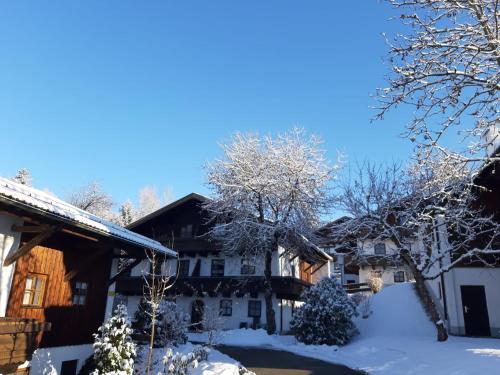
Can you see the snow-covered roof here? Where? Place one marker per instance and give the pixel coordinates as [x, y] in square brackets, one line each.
[43, 202]
[168, 207]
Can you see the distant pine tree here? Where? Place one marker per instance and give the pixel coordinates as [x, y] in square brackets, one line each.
[23, 176]
[127, 213]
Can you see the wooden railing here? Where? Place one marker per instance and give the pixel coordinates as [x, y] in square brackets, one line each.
[356, 288]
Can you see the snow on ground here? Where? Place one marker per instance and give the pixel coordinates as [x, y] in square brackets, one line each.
[397, 338]
[217, 364]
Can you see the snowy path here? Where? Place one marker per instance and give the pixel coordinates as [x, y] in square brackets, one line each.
[265, 361]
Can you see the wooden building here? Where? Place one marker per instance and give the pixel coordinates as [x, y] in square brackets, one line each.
[55, 276]
[209, 280]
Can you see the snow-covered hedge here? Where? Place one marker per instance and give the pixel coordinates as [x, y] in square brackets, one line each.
[326, 315]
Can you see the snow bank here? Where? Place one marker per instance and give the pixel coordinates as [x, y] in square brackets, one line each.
[241, 337]
[217, 364]
[397, 339]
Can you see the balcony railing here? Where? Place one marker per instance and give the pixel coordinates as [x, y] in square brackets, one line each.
[284, 287]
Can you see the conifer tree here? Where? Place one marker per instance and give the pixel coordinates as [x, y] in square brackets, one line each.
[114, 351]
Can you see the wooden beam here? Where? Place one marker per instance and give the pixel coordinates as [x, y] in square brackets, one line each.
[25, 249]
[79, 235]
[317, 269]
[128, 267]
[308, 268]
[43, 227]
[85, 264]
[30, 228]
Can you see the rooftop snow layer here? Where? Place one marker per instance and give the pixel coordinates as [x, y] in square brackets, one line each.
[41, 201]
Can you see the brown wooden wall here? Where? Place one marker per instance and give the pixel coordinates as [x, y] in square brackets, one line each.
[305, 271]
[71, 325]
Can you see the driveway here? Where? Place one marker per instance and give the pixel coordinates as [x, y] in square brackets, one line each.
[275, 362]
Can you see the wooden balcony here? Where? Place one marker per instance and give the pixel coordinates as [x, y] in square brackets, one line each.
[285, 287]
[18, 341]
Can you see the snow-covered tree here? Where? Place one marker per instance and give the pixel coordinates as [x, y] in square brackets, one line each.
[127, 213]
[114, 350]
[23, 176]
[268, 192]
[326, 315]
[172, 325]
[93, 199]
[149, 201]
[446, 66]
[429, 212]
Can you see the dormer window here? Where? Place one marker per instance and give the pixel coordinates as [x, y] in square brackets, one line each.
[380, 248]
[187, 231]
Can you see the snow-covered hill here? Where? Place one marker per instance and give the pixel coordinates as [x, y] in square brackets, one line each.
[396, 312]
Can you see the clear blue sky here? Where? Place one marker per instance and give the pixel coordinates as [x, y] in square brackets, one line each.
[132, 93]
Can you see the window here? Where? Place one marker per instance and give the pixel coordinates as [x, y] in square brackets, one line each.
[80, 290]
[380, 248]
[226, 307]
[399, 277]
[247, 267]
[254, 309]
[184, 268]
[34, 290]
[69, 367]
[217, 267]
[187, 231]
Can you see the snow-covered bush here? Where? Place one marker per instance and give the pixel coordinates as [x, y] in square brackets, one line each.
[172, 325]
[326, 315]
[178, 363]
[243, 371]
[142, 319]
[114, 351]
[212, 324]
[201, 352]
[375, 283]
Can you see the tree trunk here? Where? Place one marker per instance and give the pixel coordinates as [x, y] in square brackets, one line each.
[427, 300]
[151, 344]
[268, 294]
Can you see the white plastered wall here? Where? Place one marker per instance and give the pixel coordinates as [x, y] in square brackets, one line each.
[9, 241]
[387, 273]
[48, 361]
[240, 310]
[480, 276]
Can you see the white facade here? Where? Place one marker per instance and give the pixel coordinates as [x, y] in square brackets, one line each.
[48, 361]
[283, 264]
[385, 269]
[389, 274]
[9, 241]
[487, 278]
